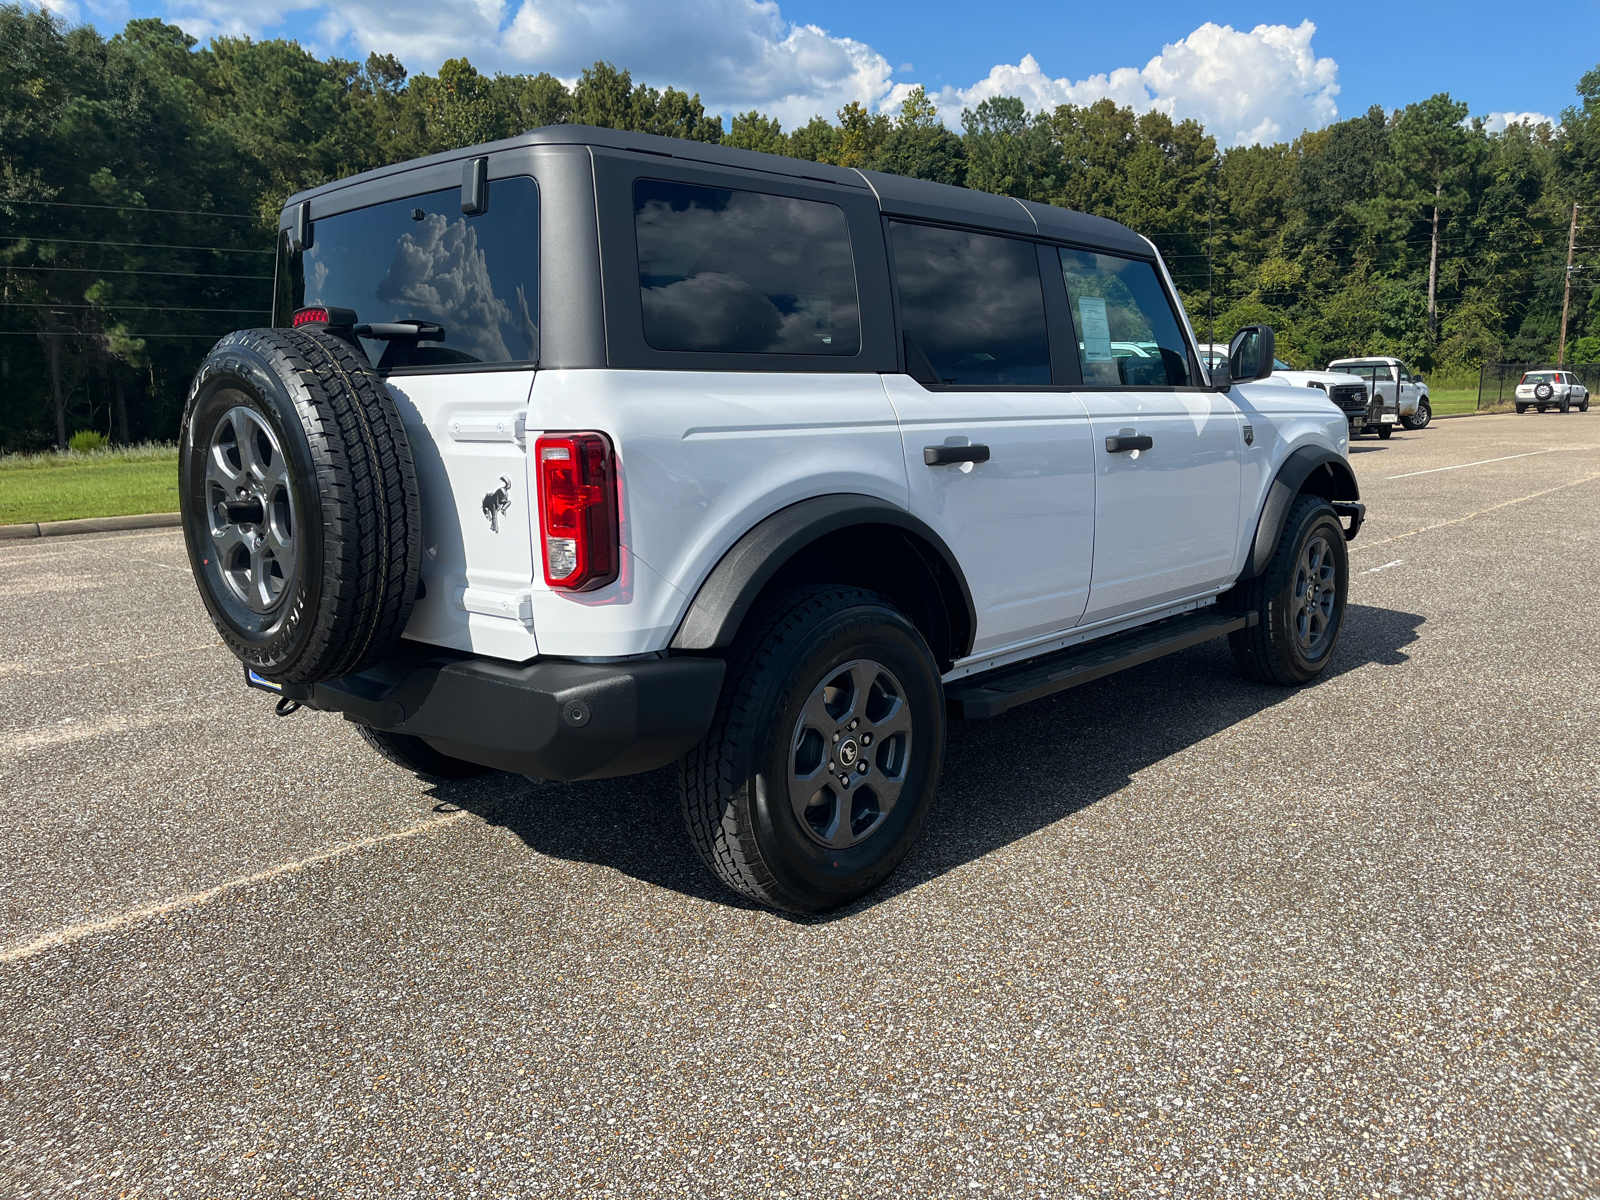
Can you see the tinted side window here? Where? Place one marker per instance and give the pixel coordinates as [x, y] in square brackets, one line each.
[723, 269]
[420, 257]
[1128, 335]
[972, 305]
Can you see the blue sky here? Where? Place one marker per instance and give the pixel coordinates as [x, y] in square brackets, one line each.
[1251, 72]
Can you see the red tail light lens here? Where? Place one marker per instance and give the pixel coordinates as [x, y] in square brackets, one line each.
[309, 316]
[577, 510]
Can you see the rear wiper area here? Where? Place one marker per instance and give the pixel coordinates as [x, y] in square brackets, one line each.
[401, 338]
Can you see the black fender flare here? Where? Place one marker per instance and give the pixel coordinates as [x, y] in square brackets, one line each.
[720, 605]
[1337, 481]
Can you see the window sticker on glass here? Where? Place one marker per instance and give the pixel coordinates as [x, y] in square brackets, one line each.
[1095, 327]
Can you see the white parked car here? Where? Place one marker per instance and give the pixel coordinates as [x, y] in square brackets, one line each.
[1392, 379]
[585, 452]
[1560, 390]
[1364, 408]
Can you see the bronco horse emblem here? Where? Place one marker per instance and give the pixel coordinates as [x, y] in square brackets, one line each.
[497, 503]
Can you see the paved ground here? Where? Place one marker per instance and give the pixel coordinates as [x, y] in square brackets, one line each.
[1169, 934]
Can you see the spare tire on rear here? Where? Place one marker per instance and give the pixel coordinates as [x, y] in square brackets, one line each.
[300, 504]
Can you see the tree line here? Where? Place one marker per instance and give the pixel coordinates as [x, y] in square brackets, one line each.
[141, 177]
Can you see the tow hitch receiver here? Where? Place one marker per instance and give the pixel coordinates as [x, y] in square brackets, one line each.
[288, 704]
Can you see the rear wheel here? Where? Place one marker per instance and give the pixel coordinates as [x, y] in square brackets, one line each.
[1566, 405]
[821, 763]
[416, 755]
[1300, 599]
[1419, 419]
[1521, 408]
[1583, 405]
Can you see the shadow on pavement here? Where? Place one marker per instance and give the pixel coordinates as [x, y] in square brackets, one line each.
[1046, 760]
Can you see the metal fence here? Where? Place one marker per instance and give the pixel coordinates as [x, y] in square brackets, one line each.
[1497, 382]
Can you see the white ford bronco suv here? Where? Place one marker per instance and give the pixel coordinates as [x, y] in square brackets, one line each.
[584, 453]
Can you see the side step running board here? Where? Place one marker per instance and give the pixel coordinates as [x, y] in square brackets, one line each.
[994, 692]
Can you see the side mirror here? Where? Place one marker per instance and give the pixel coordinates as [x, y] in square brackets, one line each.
[1250, 354]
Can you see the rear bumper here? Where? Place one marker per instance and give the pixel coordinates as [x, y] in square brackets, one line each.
[549, 719]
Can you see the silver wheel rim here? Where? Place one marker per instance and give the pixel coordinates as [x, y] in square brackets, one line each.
[850, 754]
[250, 510]
[1315, 591]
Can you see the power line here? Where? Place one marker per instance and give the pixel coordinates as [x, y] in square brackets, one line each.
[132, 307]
[180, 212]
[84, 333]
[148, 245]
[123, 271]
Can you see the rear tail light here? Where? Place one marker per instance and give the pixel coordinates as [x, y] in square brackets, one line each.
[577, 510]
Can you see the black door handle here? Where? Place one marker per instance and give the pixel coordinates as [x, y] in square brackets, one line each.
[1120, 445]
[937, 456]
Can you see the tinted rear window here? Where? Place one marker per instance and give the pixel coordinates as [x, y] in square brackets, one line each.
[739, 272]
[972, 305]
[420, 257]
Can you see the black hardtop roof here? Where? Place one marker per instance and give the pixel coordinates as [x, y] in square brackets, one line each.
[897, 195]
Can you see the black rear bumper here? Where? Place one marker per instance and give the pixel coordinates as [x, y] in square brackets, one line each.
[549, 719]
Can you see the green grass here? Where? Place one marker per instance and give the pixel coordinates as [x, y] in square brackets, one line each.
[103, 483]
[1453, 400]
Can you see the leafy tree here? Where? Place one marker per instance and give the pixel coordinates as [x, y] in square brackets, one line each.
[1009, 152]
[920, 146]
[756, 131]
[1432, 156]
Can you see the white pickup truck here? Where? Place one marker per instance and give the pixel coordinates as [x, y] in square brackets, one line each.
[1391, 379]
[584, 453]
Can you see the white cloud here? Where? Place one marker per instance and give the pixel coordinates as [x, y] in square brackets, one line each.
[1263, 85]
[1266, 85]
[1496, 122]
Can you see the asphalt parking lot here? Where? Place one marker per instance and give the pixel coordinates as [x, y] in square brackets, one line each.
[1171, 933]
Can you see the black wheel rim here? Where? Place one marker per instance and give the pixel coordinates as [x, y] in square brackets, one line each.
[850, 754]
[1316, 585]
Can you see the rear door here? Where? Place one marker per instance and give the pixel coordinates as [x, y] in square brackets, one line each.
[1010, 487]
[1166, 511]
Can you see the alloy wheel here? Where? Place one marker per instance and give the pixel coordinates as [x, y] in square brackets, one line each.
[850, 753]
[1315, 595]
[250, 510]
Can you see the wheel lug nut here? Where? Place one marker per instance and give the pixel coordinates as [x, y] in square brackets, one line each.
[854, 723]
[866, 739]
[862, 767]
[836, 737]
[830, 768]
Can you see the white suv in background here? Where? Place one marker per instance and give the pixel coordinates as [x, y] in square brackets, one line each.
[1559, 390]
[585, 453]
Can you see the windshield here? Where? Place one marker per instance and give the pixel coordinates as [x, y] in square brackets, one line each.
[420, 258]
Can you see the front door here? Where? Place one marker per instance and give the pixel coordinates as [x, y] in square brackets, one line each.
[1010, 484]
[1167, 451]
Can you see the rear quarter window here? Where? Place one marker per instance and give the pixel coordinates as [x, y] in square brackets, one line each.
[726, 270]
[478, 276]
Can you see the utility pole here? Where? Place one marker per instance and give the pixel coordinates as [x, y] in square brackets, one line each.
[1566, 294]
[1210, 231]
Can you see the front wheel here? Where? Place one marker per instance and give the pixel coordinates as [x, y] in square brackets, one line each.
[821, 763]
[1385, 432]
[1420, 418]
[1300, 599]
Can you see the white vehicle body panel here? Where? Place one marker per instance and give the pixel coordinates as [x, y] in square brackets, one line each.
[1021, 524]
[703, 457]
[1166, 519]
[476, 575]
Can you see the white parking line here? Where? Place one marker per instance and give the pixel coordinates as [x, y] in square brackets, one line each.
[1560, 487]
[1385, 567]
[1480, 462]
[122, 920]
